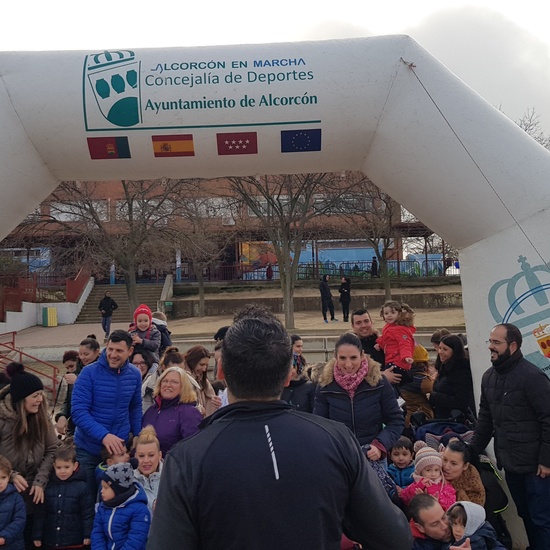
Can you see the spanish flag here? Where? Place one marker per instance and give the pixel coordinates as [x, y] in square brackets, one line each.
[173, 146]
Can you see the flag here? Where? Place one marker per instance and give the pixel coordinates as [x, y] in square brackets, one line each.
[174, 146]
[298, 141]
[240, 143]
[109, 148]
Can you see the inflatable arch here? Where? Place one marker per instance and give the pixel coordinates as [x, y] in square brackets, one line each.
[381, 105]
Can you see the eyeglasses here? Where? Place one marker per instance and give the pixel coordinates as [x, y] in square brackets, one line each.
[170, 382]
[495, 342]
[141, 364]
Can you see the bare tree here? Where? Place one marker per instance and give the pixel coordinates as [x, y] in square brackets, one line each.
[284, 208]
[371, 215]
[530, 123]
[130, 232]
[204, 237]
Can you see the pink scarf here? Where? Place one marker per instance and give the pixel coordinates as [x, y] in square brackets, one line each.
[350, 382]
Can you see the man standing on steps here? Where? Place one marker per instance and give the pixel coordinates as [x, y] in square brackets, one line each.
[107, 306]
[326, 299]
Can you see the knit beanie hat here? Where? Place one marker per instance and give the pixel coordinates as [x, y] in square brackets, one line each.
[120, 477]
[425, 456]
[143, 309]
[22, 384]
[420, 354]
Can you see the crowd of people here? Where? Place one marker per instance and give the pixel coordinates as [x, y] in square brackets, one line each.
[380, 447]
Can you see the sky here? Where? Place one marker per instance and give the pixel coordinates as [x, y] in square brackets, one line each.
[500, 48]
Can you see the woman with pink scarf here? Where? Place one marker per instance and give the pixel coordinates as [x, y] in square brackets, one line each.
[352, 390]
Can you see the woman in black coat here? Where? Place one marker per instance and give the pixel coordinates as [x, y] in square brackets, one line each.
[453, 388]
[345, 297]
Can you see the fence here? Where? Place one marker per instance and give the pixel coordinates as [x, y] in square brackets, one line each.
[39, 288]
[356, 270]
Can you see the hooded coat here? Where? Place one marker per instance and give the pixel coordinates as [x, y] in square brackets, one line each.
[13, 517]
[480, 532]
[373, 414]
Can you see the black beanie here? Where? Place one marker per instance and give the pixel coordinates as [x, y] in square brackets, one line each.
[22, 384]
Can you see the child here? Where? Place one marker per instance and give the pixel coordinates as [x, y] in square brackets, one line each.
[149, 468]
[402, 467]
[428, 477]
[122, 519]
[467, 520]
[13, 515]
[397, 338]
[108, 459]
[160, 321]
[66, 517]
[414, 392]
[145, 334]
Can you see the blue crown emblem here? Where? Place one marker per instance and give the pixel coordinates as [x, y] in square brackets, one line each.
[521, 298]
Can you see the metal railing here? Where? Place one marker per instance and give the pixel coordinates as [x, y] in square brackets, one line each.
[9, 353]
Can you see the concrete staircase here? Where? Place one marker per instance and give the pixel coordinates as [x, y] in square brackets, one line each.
[147, 294]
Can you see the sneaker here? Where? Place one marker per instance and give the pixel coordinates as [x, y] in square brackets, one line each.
[333, 320]
[326, 321]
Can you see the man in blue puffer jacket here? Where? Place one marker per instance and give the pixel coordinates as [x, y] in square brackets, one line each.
[106, 404]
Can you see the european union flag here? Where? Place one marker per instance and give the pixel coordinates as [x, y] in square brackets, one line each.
[298, 141]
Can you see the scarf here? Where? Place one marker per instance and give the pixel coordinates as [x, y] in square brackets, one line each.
[350, 382]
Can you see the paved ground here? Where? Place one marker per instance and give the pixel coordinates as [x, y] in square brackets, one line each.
[307, 323]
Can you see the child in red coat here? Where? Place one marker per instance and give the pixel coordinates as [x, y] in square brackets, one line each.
[397, 338]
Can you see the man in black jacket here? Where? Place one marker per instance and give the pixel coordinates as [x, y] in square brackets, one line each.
[262, 475]
[515, 410]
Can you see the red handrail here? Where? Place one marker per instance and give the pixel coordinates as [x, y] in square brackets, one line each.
[7, 348]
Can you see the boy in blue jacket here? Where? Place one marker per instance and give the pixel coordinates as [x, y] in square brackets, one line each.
[13, 514]
[122, 519]
[402, 467]
[66, 517]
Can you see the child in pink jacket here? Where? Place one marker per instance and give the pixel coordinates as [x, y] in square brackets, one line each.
[429, 478]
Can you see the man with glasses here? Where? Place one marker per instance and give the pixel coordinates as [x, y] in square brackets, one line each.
[515, 410]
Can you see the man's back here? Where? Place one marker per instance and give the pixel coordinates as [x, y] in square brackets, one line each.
[262, 475]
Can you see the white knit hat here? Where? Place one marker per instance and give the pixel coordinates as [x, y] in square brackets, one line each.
[425, 456]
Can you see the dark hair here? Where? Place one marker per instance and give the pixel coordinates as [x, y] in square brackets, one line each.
[70, 355]
[253, 311]
[171, 355]
[66, 451]
[403, 443]
[459, 353]
[148, 357]
[460, 447]
[120, 335]
[294, 338]
[192, 358]
[513, 334]
[348, 338]
[420, 502]
[220, 333]
[358, 312]
[256, 358]
[457, 512]
[5, 465]
[91, 342]
[219, 385]
[438, 334]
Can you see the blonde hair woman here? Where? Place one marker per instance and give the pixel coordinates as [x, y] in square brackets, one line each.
[149, 470]
[173, 414]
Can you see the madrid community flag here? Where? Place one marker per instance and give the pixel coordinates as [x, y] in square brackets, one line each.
[173, 146]
[109, 148]
[238, 143]
[298, 141]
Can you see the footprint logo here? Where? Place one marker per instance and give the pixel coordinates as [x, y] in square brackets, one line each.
[114, 80]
